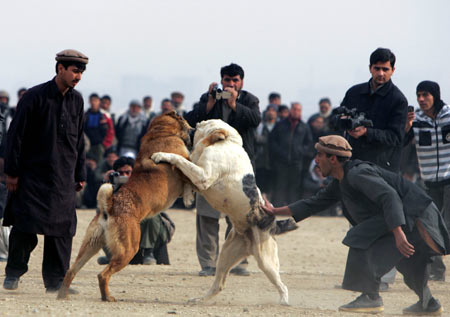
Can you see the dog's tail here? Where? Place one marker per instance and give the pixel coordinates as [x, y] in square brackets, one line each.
[93, 240]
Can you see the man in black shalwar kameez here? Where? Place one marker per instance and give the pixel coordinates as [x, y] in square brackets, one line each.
[44, 165]
[394, 224]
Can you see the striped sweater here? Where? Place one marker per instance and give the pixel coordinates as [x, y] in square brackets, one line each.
[432, 138]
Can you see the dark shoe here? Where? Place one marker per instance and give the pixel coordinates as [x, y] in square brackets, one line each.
[54, 290]
[149, 258]
[437, 277]
[103, 260]
[363, 304]
[239, 271]
[207, 271]
[434, 308]
[3, 259]
[283, 226]
[11, 283]
[384, 287]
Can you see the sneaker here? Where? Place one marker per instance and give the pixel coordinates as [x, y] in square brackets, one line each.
[207, 271]
[3, 259]
[149, 258]
[363, 304]
[239, 271]
[437, 277]
[11, 283]
[103, 260]
[384, 287]
[283, 226]
[434, 308]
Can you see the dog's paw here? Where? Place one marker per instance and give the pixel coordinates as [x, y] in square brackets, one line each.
[159, 157]
[188, 196]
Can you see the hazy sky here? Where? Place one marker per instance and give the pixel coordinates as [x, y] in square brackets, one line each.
[303, 49]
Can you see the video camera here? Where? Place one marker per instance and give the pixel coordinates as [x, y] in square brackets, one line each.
[218, 93]
[116, 179]
[343, 118]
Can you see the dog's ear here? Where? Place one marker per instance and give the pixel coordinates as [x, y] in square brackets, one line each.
[216, 136]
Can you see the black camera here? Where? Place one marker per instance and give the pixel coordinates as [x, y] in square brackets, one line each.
[218, 93]
[116, 179]
[343, 118]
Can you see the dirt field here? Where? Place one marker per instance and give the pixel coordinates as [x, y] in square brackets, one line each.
[312, 263]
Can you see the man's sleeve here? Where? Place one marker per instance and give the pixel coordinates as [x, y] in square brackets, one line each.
[197, 114]
[248, 115]
[394, 133]
[80, 168]
[370, 184]
[16, 134]
[325, 198]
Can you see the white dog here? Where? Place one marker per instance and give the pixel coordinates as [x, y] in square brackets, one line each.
[222, 172]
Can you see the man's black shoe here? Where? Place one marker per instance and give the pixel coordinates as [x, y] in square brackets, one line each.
[283, 226]
[437, 277]
[363, 304]
[11, 283]
[207, 271]
[434, 308]
[239, 271]
[103, 260]
[148, 257]
[384, 287]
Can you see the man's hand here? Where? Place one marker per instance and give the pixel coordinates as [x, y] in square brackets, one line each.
[79, 186]
[402, 244]
[12, 183]
[232, 100]
[409, 121]
[268, 207]
[211, 100]
[271, 210]
[358, 132]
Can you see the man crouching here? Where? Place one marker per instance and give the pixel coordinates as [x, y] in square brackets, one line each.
[394, 224]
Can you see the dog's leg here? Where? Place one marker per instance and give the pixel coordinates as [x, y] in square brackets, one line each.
[265, 251]
[201, 175]
[125, 246]
[234, 250]
[188, 194]
[93, 240]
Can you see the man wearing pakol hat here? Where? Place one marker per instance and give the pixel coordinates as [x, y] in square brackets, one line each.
[394, 224]
[44, 165]
[431, 130]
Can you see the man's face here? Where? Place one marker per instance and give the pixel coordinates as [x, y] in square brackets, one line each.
[317, 124]
[125, 170]
[177, 100]
[134, 110]
[166, 107]
[4, 100]
[271, 114]
[275, 101]
[381, 72]
[70, 76]
[148, 103]
[296, 111]
[234, 82]
[324, 164]
[283, 114]
[105, 104]
[95, 103]
[425, 100]
[111, 158]
[324, 107]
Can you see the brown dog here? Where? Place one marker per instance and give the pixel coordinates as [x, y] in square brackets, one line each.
[150, 189]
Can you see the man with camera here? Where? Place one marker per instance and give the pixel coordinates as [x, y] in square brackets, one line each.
[386, 106]
[395, 224]
[240, 109]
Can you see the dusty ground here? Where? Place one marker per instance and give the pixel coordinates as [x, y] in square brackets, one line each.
[312, 263]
